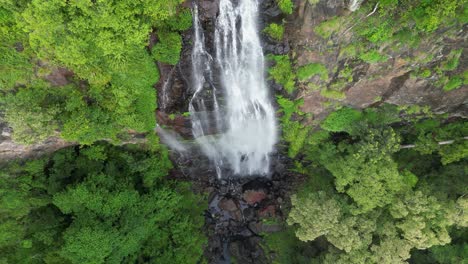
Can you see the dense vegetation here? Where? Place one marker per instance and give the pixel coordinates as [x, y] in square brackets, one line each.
[381, 187]
[375, 202]
[84, 71]
[99, 204]
[102, 45]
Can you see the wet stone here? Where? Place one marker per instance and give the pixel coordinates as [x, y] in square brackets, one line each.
[249, 214]
[227, 205]
[269, 211]
[254, 196]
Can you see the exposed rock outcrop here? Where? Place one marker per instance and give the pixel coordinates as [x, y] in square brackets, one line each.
[10, 150]
[394, 81]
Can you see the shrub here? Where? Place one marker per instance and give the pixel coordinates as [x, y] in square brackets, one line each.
[287, 248]
[282, 72]
[275, 31]
[373, 56]
[168, 48]
[327, 28]
[294, 132]
[343, 119]
[425, 73]
[286, 6]
[346, 73]
[428, 15]
[180, 22]
[312, 69]
[454, 83]
[332, 94]
[380, 32]
[34, 111]
[15, 68]
[453, 59]
[349, 51]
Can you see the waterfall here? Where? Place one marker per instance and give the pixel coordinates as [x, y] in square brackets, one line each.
[354, 5]
[239, 109]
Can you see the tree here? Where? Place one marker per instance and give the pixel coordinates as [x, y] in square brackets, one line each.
[385, 205]
[33, 112]
[111, 90]
[99, 204]
[315, 213]
[343, 119]
[422, 219]
[368, 165]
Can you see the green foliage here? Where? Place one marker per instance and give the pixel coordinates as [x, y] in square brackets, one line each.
[452, 61]
[326, 210]
[15, 68]
[449, 254]
[422, 219]
[350, 51]
[328, 27]
[454, 83]
[427, 134]
[312, 69]
[293, 251]
[282, 72]
[275, 31]
[343, 119]
[425, 73]
[346, 73]
[369, 166]
[111, 90]
[93, 45]
[373, 56]
[380, 32]
[98, 204]
[168, 48]
[294, 132]
[332, 94]
[404, 24]
[34, 112]
[180, 22]
[286, 6]
[384, 203]
[408, 38]
[454, 152]
[429, 15]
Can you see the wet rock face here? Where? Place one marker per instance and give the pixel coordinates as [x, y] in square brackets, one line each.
[236, 211]
[240, 210]
[175, 84]
[252, 197]
[209, 9]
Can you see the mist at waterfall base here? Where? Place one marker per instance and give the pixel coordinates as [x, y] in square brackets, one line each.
[230, 94]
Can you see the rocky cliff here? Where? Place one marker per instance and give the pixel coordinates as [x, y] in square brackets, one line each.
[398, 80]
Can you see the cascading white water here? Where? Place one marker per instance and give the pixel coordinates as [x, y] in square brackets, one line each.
[243, 115]
[354, 5]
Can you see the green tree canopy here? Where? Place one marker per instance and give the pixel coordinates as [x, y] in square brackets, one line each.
[98, 204]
